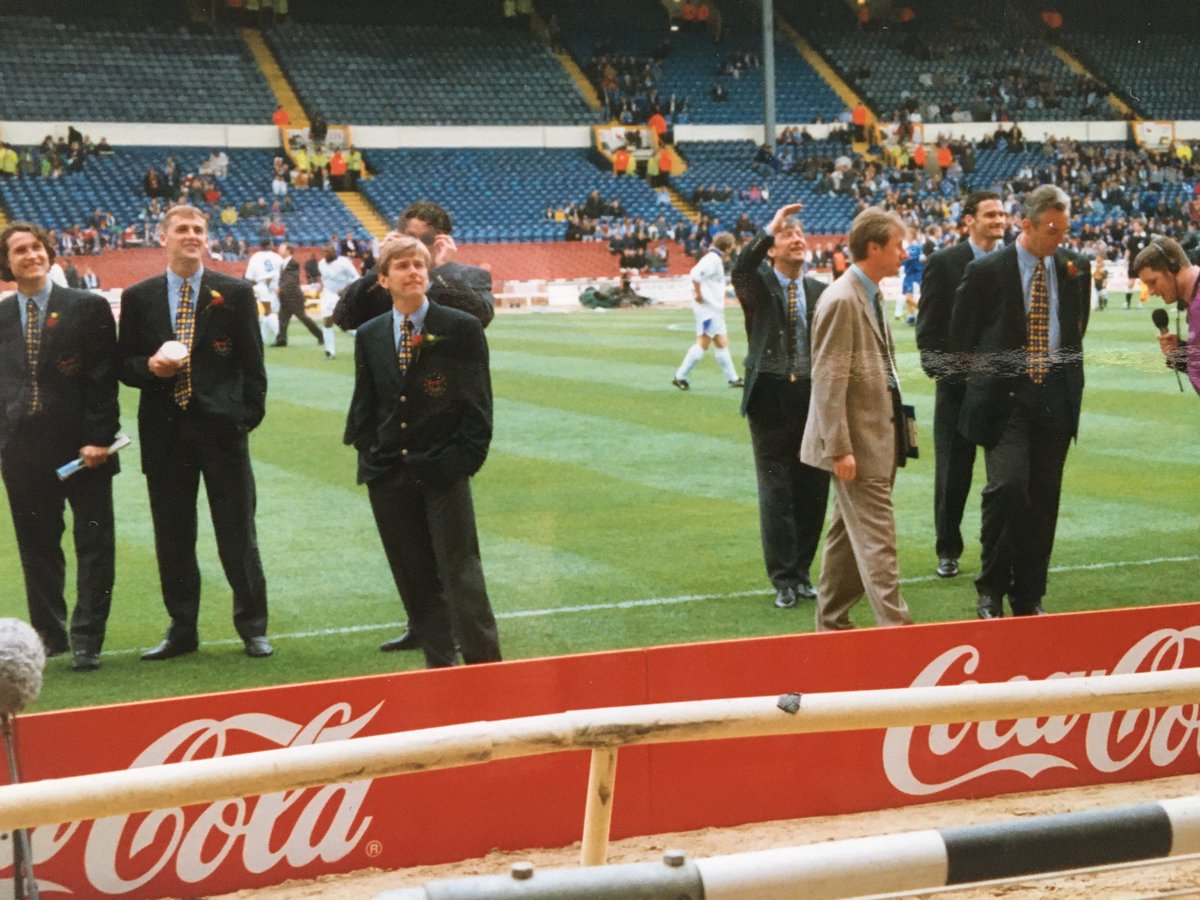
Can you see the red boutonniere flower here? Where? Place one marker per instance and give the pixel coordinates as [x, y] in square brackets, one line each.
[422, 338]
[217, 298]
[1072, 269]
[52, 320]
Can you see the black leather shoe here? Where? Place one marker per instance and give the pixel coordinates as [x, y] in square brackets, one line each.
[990, 607]
[86, 662]
[805, 590]
[407, 641]
[785, 598]
[737, 383]
[169, 649]
[681, 383]
[947, 567]
[279, 344]
[258, 648]
[1027, 609]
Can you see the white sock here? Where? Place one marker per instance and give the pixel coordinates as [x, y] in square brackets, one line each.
[272, 324]
[900, 306]
[689, 361]
[725, 361]
[330, 346]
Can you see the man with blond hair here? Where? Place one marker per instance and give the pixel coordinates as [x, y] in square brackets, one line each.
[199, 403]
[852, 428]
[421, 420]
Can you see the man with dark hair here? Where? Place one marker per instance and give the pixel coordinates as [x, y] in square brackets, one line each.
[58, 402]
[853, 428]
[198, 406]
[291, 298]
[1019, 318]
[452, 284]
[954, 455]
[1165, 269]
[421, 420]
[778, 301]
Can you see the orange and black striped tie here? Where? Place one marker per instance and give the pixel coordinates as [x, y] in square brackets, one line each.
[185, 326]
[404, 350]
[33, 350]
[1038, 365]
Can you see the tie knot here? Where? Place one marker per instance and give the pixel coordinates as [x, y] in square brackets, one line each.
[407, 325]
[185, 291]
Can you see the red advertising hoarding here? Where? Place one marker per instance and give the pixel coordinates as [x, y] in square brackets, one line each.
[538, 802]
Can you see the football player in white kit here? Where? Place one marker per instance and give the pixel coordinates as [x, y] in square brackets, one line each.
[337, 273]
[263, 272]
[709, 282]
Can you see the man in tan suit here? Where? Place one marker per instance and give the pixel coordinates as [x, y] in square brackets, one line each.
[851, 430]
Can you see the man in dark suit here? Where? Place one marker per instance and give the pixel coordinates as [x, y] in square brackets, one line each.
[954, 455]
[1020, 315]
[421, 420]
[195, 416]
[778, 301]
[452, 284]
[58, 402]
[291, 298]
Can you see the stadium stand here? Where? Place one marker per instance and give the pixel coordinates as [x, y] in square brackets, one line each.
[977, 63]
[100, 71]
[114, 183]
[421, 75]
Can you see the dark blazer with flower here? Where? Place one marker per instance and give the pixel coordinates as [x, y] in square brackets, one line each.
[229, 380]
[988, 326]
[436, 419]
[76, 373]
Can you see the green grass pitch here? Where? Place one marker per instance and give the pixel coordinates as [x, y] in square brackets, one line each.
[615, 511]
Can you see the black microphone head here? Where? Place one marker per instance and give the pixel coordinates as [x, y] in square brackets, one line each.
[1160, 319]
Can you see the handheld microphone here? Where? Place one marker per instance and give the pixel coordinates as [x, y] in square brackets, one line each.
[1161, 321]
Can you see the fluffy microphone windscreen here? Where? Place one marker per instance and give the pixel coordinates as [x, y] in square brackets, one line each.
[22, 659]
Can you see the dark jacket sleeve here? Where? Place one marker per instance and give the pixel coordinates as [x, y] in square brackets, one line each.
[101, 411]
[933, 316]
[468, 288]
[362, 301]
[360, 420]
[254, 371]
[746, 282]
[136, 342]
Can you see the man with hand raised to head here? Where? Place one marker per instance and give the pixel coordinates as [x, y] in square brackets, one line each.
[58, 402]
[421, 420]
[778, 302]
[198, 406]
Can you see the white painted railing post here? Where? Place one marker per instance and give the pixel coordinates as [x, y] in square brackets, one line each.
[597, 815]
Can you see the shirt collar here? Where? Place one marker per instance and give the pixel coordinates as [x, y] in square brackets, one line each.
[417, 317]
[175, 282]
[979, 251]
[784, 281]
[1029, 258]
[872, 287]
[41, 298]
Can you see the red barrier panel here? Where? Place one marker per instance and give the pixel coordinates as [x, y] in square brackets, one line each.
[462, 813]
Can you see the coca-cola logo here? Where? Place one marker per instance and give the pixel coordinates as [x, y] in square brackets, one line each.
[921, 761]
[294, 828]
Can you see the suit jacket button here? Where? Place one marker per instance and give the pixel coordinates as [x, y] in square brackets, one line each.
[403, 425]
[1011, 394]
[403, 398]
[404, 453]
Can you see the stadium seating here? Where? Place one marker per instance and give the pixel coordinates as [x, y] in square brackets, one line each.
[100, 71]
[502, 194]
[416, 75]
[115, 183]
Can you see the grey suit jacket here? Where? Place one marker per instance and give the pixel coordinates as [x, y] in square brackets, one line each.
[851, 409]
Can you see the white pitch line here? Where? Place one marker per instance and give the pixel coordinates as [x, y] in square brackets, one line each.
[651, 601]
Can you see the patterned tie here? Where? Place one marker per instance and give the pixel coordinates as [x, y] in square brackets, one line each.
[404, 351]
[33, 349]
[1039, 326]
[793, 301]
[185, 325]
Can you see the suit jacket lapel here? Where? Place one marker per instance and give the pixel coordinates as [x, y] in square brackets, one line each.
[1016, 297]
[385, 346]
[11, 333]
[868, 306]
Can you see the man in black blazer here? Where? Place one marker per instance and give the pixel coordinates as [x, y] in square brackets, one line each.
[194, 419]
[452, 284]
[778, 302]
[421, 420]
[1020, 315]
[954, 455]
[291, 298]
[58, 402]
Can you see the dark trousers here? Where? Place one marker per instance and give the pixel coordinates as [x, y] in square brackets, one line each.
[287, 310]
[791, 496]
[37, 500]
[1020, 502]
[428, 535]
[954, 462]
[224, 462]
